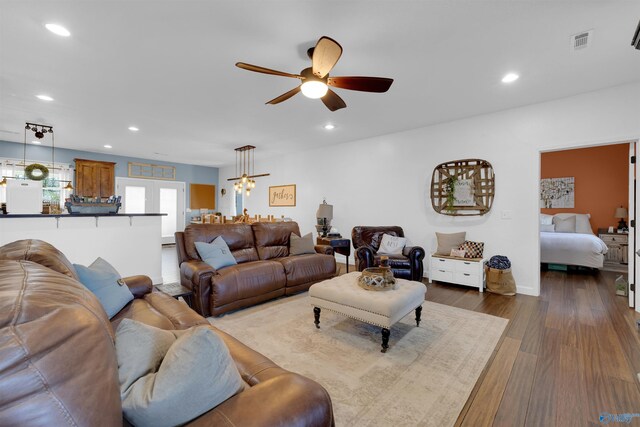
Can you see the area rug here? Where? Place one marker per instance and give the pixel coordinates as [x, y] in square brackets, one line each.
[424, 379]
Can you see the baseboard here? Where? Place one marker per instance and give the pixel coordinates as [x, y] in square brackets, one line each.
[527, 290]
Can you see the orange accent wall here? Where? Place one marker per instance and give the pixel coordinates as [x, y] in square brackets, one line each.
[601, 180]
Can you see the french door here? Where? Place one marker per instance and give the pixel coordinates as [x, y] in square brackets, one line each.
[155, 196]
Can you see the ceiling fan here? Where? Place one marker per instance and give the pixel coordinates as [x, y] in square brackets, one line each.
[315, 79]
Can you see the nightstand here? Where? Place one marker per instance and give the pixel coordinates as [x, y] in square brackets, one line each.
[618, 244]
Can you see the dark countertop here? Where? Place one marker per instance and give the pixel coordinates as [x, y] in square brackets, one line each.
[66, 215]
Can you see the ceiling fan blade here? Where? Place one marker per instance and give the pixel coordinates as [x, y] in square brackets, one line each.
[264, 70]
[333, 101]
[284, 96]
[364, 84]
[325, 55]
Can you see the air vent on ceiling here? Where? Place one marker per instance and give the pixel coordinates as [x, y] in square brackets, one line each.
[582, 40]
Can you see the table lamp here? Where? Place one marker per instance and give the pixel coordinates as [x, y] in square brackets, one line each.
[324, 214]
[621, 213]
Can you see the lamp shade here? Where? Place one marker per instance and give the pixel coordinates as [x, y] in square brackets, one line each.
[621, 213]
[325, 211]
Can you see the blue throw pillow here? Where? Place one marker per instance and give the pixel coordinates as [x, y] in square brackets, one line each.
[217, 254]
[103, 280]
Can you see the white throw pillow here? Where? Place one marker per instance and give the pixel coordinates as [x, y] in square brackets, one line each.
[565, 225]
[547, 228]
[583, 225]
[546, 219]
[391, 245]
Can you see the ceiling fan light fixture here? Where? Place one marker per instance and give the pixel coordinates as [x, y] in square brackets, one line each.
[314, 89]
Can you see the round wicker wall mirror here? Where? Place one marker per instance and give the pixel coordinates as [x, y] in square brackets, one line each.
[463, 187]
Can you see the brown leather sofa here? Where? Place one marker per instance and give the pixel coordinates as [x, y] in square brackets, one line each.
[366, 241]
[58, 363]
[265, 270]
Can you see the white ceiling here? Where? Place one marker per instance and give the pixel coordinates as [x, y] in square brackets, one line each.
[168, 68]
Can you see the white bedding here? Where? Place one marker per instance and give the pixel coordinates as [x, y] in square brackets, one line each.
[572, 249]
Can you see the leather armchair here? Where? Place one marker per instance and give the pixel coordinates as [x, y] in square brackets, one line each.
[366, 242]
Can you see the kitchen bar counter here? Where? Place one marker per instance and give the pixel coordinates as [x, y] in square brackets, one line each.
[132, 243]
[66, 215]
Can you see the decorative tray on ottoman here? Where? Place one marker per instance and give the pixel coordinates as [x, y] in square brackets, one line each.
[377, 279]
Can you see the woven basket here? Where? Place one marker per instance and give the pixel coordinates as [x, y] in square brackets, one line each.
[377, 279]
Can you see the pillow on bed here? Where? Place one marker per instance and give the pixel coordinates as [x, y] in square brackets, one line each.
[583, 225]
[566, 225]
[546, 219]
[549, 228]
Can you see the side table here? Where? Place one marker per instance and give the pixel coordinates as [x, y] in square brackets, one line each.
[339, 245]
[618, 244]
[176, 290]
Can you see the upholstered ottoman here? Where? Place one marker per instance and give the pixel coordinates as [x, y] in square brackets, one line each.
[381, 308]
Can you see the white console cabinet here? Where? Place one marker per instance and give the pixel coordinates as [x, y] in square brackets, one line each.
[461, 271]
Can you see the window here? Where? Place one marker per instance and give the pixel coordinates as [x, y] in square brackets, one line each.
[53, 191]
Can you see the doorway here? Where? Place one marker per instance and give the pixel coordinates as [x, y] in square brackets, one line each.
[595, 187]
[155, 196]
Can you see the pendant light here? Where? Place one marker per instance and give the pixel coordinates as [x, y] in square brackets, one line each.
[245, 170]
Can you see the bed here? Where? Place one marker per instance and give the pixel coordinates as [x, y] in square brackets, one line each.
[579, 249]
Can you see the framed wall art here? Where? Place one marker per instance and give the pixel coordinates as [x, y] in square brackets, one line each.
[557, 192]
[463, 187]
[282, 195]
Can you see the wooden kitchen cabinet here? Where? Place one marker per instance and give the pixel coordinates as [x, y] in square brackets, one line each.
[95, 178]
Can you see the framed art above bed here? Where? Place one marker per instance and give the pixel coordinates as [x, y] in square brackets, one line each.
[557, 192]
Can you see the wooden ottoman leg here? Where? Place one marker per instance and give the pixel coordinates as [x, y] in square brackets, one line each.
[418, 314]
[316, 316]
[385, 340]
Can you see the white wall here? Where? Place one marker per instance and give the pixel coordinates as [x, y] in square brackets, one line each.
[386, 180]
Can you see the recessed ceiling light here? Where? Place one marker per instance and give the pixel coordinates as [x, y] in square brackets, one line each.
[329, 126]
[510, 78]
[107, 146]
[58, 30]
[44, 97]
[36, 142]
[133, 129]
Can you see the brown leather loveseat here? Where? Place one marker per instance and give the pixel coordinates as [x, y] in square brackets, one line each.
[265, 270]
[58, 364]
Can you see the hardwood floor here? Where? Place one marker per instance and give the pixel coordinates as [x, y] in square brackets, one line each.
[565, 357]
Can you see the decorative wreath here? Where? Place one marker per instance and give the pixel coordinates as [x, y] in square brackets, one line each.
[28, 171]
